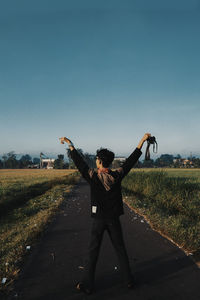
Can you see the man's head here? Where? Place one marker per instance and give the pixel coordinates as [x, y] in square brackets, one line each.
[104, 158]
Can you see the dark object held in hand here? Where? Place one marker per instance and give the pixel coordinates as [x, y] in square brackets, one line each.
[151, 140]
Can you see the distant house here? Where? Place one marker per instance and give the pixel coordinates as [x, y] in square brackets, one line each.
[187, 162]
[182, 162]
[47, 163]
[120, 158]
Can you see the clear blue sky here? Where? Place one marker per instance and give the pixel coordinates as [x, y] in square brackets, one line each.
[100, 72]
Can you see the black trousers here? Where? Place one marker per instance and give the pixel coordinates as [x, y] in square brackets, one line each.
[113, 227]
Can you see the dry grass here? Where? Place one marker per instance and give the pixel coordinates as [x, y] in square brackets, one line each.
[23, 223]
[19, 186]
[25, 177]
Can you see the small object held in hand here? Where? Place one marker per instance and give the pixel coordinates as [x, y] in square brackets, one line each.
[151, 141]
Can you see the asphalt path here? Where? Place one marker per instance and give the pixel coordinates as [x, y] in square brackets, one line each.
[54, 265]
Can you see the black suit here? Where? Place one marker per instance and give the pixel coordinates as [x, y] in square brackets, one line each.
[106, 207]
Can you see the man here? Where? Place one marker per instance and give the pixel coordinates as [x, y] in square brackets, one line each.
[106, 207]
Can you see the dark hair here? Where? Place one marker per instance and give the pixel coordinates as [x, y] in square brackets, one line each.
[105, 156]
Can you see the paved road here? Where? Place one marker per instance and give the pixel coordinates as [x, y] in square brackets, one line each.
[163, 271]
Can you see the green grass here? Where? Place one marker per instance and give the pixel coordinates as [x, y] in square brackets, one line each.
[170, 200]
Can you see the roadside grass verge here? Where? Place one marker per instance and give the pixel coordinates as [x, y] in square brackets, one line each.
[171, 205]
[22, 226]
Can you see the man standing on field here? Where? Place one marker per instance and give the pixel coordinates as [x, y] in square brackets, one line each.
[106, 207]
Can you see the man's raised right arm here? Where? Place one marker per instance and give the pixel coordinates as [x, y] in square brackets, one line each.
[133, 158]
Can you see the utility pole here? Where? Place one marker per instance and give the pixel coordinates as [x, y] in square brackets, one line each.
[41, 164]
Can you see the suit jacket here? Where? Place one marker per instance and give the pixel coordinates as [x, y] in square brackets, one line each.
[105, 188]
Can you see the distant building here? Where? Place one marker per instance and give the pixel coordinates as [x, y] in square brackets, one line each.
[182, 162]
[187, 162]
[47, 163]
[120, 158]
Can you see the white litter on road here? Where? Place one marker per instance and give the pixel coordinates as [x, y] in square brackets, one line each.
[4, 280]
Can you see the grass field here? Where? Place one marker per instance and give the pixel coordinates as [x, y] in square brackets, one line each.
[170, 200]
[17, 186]
[28, 201]
[184, 173]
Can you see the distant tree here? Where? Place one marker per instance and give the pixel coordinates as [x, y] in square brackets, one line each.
[148, 163]
[196, 162]
[25, 160]
[36, 160]
[139, 164]
[26, 157]
[177, 163]
[1, 164]
[4, 160]
[11, 161]
[178, 156]
[59, 163]
[165, 160]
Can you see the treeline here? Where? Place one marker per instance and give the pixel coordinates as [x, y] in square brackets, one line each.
[164, 161]
[170, 161]
[9, 161]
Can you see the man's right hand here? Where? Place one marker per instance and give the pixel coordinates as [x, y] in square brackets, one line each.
[145, 137]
